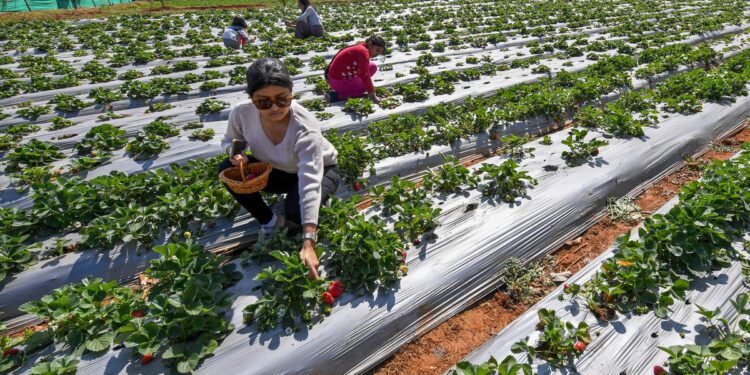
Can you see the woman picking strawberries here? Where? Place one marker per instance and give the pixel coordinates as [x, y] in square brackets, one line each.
[283, 133]
[349, 74]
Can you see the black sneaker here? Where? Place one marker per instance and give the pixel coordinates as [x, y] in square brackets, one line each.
[332, 96]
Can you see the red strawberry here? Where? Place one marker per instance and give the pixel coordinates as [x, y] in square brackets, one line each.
[250, 176]
[403, 253]
[658, 370]
[579, 345]
[11, 351]
[416, 242]
[357, 186]
[566, 286]
[336, 289]
[327, 298]
[137, 314]
[147, 359]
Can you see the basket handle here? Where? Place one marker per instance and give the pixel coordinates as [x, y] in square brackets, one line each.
[242, 170]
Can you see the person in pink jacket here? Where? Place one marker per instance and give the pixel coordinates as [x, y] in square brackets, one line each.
[349, 74]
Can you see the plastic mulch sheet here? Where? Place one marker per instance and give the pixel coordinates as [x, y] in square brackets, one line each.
[459, 267]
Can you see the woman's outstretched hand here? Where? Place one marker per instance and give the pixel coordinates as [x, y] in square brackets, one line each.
[309, 258]
[236, 159]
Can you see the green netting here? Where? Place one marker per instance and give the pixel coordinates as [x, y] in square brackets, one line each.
[26, 5]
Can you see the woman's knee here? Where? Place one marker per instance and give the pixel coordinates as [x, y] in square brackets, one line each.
[373, 68]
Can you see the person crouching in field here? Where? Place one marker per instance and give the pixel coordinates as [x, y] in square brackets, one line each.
[308, 23]
[349, 74]
[283, 133]
[235, 36]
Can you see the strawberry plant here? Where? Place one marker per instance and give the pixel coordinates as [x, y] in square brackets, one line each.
[546, 140]
[508, 366]
[161, 128]
[58, 366]
[158, 107]
[83, 163]
[649, 274]
[110, 116]
[210, 106]
[35, 153]
[140, 90]
[260, 250]
[211, 85]
[360, 107]
[18, 131]
[359, 251]
[185, 310]
[104, 137]
[7, 142]
[193, 125]
[68, 103]
[580, 150]
[322, 116]
[316, 105]
[146, 146]
[86, 316]
[619, 122]
[204, 135]
[505, 181]
[34, 112]
[354, 155]
[14, 255]
[30, 177]
[389, 103]
[451, 177]
[60, 123]
[288, 294]
[557, 340]
[416, 215]
[515, 146]
[411, 92]
[728, 345]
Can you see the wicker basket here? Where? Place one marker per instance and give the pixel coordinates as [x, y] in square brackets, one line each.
[235, 177]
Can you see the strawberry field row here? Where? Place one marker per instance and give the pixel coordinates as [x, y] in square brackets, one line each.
[53, 211]
[670, 256]
[390, 198]
[138, 232]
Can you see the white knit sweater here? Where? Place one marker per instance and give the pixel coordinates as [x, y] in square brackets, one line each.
[303, 150]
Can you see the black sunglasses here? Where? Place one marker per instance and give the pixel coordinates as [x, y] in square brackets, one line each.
[268, 103]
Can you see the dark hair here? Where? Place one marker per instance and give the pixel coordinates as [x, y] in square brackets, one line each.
[267, 72]
[304, 3]
[377, 40]
[239, 21]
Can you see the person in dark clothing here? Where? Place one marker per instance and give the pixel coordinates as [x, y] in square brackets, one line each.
[308, 23]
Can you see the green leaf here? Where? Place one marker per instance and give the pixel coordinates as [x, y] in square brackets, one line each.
[100, 343]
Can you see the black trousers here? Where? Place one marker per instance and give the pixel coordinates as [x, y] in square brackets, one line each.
[280, 182]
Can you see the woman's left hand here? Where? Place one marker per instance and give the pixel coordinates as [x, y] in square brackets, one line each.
[309, 258]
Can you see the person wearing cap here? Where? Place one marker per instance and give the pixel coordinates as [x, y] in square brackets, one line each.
[280, 131]
[308, 23]
[235, 36]
[349, 74]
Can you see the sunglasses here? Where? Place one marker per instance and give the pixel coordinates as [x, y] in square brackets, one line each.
[281, 102]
